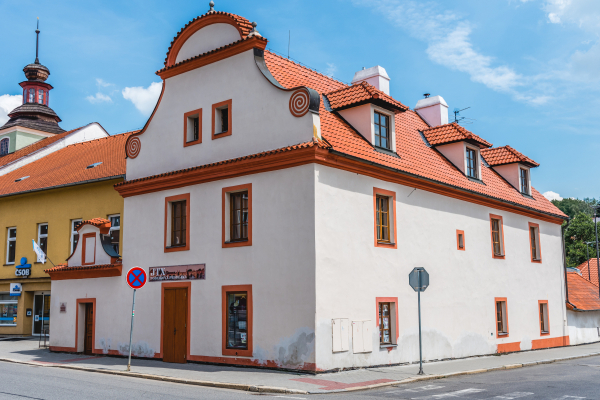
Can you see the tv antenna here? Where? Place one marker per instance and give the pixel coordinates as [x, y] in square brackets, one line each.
[460, 119]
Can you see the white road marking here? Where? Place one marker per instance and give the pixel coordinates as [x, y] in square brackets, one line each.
[458, 393]
[515, 395]
[288, 397]
[569, 397]
[418, 389]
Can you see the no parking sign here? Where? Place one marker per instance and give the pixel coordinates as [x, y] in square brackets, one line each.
[136, 278]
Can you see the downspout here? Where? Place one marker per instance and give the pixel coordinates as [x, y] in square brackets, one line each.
[564, 231]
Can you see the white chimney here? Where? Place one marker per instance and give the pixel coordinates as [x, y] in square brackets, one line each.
[433, 110]
[375, 76]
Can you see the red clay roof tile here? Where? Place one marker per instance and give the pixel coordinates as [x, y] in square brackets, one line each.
[361, 93]
[583, 294]
[592, 272]
[506, 155]
[452, 132]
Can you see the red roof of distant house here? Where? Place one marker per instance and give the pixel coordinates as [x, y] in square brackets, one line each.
[583, 294]
[361, 93]
[452, 132]
[506, 155]
[69, 166]
[592, 273]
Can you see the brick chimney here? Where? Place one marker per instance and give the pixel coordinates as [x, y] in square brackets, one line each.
[375, 76]
[433, 110]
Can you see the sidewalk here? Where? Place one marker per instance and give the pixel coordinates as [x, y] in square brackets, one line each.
[263, 380]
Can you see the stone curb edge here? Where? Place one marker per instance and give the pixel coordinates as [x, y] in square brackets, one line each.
[274, 389]
[472, 372]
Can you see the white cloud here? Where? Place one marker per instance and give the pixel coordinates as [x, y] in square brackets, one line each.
[144, 99]
[99, 98]
[102, 83]
[7, 104]
[550, 195]
[331, 70]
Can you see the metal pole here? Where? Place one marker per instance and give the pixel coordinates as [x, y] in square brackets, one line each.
[597, 252]
[131, 331]
[587, 254]
[43, 305]
[420, 345]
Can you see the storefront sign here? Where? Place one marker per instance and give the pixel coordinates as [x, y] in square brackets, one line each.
[16, 289]
[178, 272]
[24, 269]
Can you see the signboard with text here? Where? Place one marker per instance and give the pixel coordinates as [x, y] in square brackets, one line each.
[178, 273]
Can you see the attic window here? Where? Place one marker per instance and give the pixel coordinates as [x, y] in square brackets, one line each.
[472, 163]
[94, 165]
[524, 180]
[20, 179]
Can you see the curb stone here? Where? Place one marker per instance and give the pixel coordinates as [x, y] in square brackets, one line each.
[280, 390]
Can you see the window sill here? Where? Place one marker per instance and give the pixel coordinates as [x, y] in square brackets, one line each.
[476, 180]
[503, 335]
[221, 133]
[237, 241]
[175, 247]
[387, 346]
[389, 152]
[9, 265]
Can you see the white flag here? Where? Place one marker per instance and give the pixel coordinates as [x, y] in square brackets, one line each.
[41, 256]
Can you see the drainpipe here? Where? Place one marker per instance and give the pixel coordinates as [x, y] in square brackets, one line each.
[564, 249]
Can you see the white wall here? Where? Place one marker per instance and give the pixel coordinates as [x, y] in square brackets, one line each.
[458, 307]
[584, 326]
[512, 173]
[101, 257]
[261, 118]
[206, 39]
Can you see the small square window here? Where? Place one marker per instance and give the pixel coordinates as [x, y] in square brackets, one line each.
[221, 119]
[192, 128]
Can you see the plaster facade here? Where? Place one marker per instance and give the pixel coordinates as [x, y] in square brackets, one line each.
[584, 327]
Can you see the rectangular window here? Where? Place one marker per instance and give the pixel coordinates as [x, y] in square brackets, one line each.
[43, 237]
[237, 216]
[524, 176]
[221, 119]
[192, 127]
[501, 318]
[534, 242]
[385, 336]
[11, 245]
[40, 96]
[8, 310]
[497, 236]
[382, 130]
[115, 231]
[74, 234]
[544, 322]
[460, 240]
[237, 320]
[31, 95]
[178, 223]
[385, 218]
[472, 163]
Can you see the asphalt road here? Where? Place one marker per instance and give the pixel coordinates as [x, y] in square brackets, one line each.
[571, 380]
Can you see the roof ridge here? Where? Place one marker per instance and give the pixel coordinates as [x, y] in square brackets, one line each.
[102, 138]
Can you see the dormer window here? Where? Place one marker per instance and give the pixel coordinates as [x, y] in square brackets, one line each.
[382, 133]
[524, 179]
[472, 163]
[4, 146]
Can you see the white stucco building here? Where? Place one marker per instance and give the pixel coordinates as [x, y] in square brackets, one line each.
[279, 212]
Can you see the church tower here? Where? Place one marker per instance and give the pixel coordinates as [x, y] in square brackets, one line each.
[34, 119]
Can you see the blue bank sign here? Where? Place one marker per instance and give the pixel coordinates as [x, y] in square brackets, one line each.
[24, 269]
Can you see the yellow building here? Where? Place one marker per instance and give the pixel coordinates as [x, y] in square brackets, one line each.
[44, 201]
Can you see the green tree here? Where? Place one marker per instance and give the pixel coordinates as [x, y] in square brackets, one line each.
[580, 231]
[572, 207]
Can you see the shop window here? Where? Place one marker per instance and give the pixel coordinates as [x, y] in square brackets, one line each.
[534, 243]
[385, 218]
[544, 322]
[11, 245]
[382, 130]
[8, 310]
[115, 231]
[501, 318]
[74, 234]
[43, 237]
[237, 216]
[177, 223]
[237, 313]
[192, 127]
[497, 235]
[4, 146]
[221, 119]
[387, 321]
[460, 240]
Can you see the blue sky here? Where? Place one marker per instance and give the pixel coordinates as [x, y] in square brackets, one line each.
[528, 69]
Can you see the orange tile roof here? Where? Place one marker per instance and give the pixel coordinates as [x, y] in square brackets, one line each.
[40, 144]
[506, 155]
[592, 273]
[361, 93]
[452, 132]
[97, 222]
[415, 156]
[68, 166]
[63, 267]
[583, 294]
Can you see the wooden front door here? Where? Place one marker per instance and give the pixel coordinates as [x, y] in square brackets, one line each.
[175, 325]
[89, 329]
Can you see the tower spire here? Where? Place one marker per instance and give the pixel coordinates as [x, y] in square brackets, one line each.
[37, 41]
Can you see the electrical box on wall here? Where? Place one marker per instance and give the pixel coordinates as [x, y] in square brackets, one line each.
[362, 342]
[340, 334]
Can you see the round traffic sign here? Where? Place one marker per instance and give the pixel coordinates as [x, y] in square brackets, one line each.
[136, 278]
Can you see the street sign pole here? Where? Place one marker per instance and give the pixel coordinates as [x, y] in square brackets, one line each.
[131, 330]
[420, 344]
